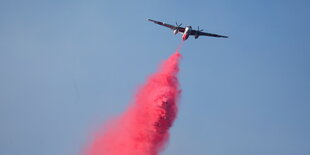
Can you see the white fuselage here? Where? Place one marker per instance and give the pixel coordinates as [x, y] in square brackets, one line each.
[187, 32]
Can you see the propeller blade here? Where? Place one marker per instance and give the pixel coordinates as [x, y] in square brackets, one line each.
[178, 25]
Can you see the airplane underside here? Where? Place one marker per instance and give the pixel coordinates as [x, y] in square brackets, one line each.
[187, 30]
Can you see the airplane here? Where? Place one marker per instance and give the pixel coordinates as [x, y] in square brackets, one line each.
[187, 31]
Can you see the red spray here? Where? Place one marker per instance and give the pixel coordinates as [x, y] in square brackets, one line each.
[144, 128]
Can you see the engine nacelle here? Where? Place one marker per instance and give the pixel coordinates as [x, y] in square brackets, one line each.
[196, 36]
[176, 31]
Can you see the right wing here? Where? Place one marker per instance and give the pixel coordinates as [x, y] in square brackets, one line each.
[181, 29]
[193, 32]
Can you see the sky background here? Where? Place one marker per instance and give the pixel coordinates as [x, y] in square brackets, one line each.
[68, 66]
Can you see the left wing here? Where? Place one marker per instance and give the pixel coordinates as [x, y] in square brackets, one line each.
[181, 29]
[193, 32]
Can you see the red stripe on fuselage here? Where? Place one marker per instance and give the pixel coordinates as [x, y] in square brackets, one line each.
[185, 36]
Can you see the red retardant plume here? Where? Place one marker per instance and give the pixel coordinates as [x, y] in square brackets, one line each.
[144, 128]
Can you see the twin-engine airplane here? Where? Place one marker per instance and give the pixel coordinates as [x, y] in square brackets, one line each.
[187, 31]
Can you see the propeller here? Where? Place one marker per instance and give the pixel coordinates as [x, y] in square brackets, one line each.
[178, 25]
[199, 30]
[198, 33]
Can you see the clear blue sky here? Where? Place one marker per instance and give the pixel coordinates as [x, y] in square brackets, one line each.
[67, 66]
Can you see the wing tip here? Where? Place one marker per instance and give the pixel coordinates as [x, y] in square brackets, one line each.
[224, 36]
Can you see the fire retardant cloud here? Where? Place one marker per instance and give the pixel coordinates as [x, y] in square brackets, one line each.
[144, 128]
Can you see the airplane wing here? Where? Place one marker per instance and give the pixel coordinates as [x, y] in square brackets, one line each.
[193, 32]
[181, 29]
